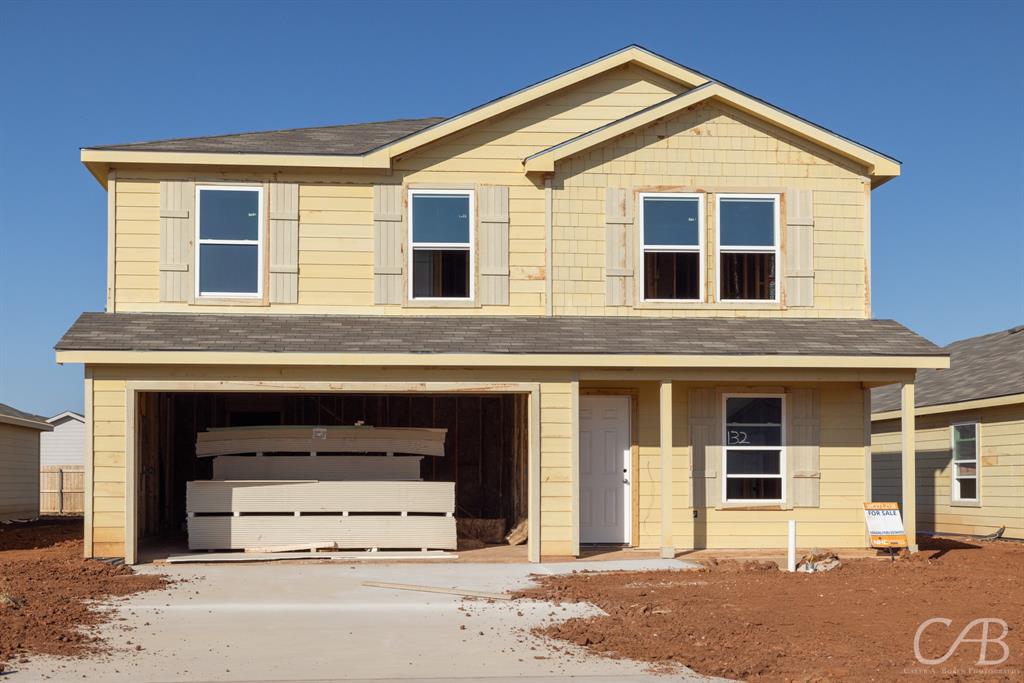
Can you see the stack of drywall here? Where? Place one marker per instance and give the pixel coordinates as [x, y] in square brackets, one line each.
[319, 467]
[351, 514]
[347, 498]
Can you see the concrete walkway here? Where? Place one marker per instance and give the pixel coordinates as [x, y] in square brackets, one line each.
[317, 622]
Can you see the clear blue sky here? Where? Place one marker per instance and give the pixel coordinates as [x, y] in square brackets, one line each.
[937, 85]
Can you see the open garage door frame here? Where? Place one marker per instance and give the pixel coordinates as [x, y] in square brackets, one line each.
[134, 388]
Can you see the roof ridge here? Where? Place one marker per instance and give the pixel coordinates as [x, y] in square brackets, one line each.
[998, 333]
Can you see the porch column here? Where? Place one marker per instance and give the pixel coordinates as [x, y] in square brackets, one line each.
[668, 550]
[909, 458]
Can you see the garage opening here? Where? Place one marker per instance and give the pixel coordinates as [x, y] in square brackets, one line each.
[485, 450]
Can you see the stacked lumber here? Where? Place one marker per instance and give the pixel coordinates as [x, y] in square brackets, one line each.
[300, 439]
[234, 515]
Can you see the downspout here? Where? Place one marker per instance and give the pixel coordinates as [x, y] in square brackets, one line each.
[548, 247]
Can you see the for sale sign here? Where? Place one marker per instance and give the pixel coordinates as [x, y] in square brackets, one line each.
[885, 525]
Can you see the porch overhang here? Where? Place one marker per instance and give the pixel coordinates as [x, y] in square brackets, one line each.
[636, 344]
[595, 361]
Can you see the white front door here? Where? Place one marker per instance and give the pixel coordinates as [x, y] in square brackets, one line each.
[604, 469]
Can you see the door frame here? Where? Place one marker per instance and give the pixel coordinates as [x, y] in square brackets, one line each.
[633, 414]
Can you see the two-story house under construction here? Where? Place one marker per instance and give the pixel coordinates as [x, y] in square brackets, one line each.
[637, 299]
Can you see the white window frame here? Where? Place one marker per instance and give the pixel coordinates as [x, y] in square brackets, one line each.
[673, 248]
[258, 294]
[719, 249]
[955, 485]
[726, 448]
[443, 246]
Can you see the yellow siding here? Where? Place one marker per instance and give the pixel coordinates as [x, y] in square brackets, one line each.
[336, 210]
[710, 148]
[19, 472]
[1001, 434]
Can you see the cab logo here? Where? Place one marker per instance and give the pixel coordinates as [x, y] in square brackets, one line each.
[985, 640]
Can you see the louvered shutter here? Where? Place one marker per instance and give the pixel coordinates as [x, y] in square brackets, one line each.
[388, 237]
[493, 242]
[803, 436]
[177, 240]
[706, 448]
[619, 246]
[284, 243]
[799, 256]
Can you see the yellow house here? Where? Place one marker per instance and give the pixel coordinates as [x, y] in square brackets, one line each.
[638, 299]
[970, 439]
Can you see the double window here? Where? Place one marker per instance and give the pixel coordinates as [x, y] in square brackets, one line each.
[965, 462]
[441, 244]
[672, 241]
[753, 452]
[748, 247]
[229, 246]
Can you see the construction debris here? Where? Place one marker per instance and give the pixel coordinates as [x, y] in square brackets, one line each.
[818, 561]
[519, 533]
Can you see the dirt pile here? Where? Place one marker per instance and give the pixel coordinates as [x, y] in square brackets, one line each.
[858, 622]
[46, 588]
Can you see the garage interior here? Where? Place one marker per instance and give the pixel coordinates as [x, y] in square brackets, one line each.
[485, 453]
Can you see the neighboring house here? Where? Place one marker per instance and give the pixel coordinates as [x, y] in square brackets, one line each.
[969, 439]
[65, 445]
[638, 299]
[62, 465]
[19, 463]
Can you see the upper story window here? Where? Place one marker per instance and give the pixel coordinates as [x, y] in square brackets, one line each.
[672, 241]
[441, 245]
[229, 252]
[753, 452]
[748, 245]
[965, 462]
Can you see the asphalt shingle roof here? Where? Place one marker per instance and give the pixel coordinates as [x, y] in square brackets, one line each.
[490, 334]
[9, 411]
[980, 367]
[356, 138]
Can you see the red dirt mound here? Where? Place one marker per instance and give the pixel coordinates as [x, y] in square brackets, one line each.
[855, 623]
[46, 589]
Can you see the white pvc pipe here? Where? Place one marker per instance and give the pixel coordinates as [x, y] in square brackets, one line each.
[791, 558]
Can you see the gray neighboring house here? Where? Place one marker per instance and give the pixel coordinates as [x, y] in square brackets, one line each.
[19, 462]
[65, 445]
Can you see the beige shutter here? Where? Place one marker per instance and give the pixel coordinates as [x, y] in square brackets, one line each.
[618, 219]
[803, 436]
[799, 256]
[706, 453]
[284, 243]
[493, 242]
[177, 239]
[388, 237]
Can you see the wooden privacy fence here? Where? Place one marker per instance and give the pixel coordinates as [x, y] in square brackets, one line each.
[62, 490]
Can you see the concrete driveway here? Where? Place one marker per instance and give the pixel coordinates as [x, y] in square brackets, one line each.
[317, 622]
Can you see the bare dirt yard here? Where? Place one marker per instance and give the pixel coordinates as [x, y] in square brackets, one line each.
[47, 590]
[750, 621]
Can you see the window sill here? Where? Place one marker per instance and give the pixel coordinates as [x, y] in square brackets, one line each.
[747, 507]
[965, 503]
[712, 306]
[227, 301]
[441, 303]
